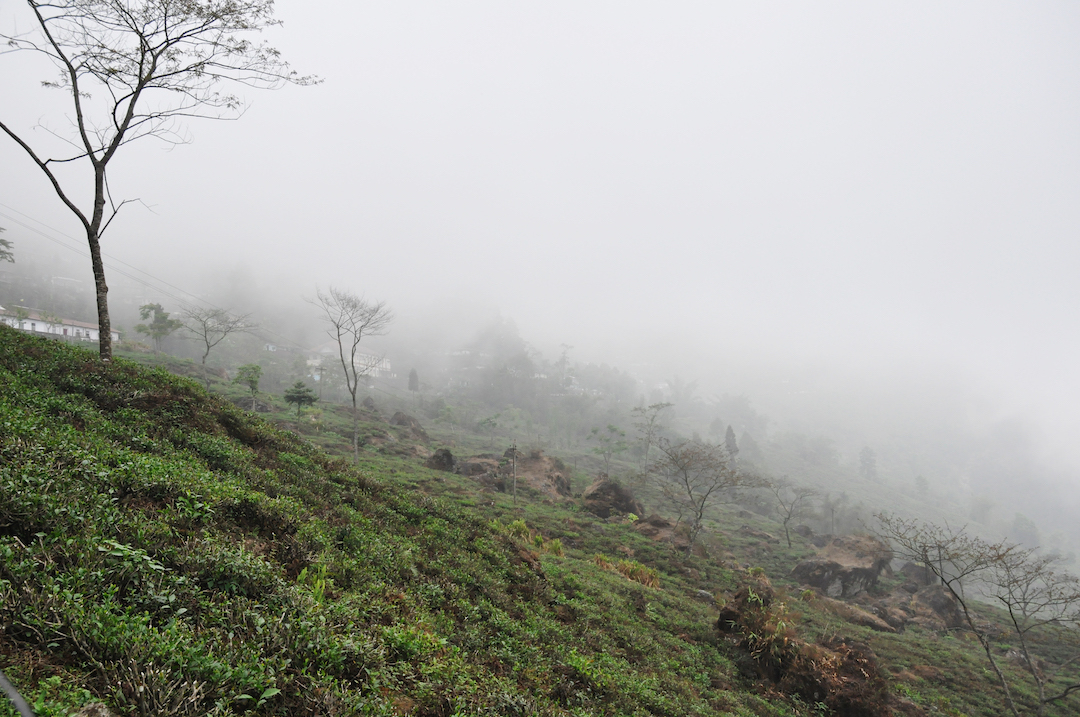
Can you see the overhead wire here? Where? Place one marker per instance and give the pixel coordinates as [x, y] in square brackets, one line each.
[155, 283]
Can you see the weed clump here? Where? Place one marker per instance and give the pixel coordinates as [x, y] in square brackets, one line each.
[842, 675]
[630, 569]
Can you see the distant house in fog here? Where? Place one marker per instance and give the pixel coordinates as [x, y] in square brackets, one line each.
[35, 322]
[367, 362]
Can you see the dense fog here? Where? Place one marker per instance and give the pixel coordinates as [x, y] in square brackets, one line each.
[832, 227]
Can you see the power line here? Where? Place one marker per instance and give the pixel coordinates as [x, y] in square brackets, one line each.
[113, 261]
[112, 266]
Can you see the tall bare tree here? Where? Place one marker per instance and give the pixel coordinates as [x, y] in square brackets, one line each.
[351, 318]
[1038, 596]
[695, 476]
[211, 326]
[649, 427]
[791, 501]
[1033, 593]
[134, 69]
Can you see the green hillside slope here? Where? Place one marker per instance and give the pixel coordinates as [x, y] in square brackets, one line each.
[166, 553]
[163, 552]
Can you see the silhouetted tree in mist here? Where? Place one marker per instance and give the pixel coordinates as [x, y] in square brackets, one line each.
[5, 249]
[136, 69]
[211, 327]
[160, 326]
[249, 375]
[791, 501]
[351, 318]
[1031, 589]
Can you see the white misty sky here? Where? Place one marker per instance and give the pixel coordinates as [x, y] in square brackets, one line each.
[877, 187]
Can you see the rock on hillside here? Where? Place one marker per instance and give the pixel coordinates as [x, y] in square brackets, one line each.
[536, 471]
[662, 529]
[606, 496]
[542, 473]
[846, 566]
[442, 460]
[412, 426]
[931, 607]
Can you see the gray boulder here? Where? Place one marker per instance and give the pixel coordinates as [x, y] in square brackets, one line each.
[442, 460]
[847, 566]
[606, 497]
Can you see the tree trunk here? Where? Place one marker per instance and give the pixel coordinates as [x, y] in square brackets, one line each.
[206, 376]
[986, 647]
[102, 291]
[355, 433]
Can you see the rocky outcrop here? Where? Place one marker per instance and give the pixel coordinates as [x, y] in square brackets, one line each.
[535, 471]
[932, 607]
[846, 567]
[659, 528]
[442, 460]
[412, 427]
[542, 473]
[918, 575]
[858, 616]
[606, 497]
[478, 465]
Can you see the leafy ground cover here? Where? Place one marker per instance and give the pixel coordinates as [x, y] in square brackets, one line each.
[166, 552]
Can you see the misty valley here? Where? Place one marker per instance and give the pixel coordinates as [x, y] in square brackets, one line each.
[558, 359]
[227, 520]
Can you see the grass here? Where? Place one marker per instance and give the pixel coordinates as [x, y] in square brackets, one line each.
[166, 552]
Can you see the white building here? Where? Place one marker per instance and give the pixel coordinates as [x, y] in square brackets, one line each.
[367, 362]
[34, 322]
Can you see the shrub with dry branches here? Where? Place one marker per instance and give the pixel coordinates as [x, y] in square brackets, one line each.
[694, 476]
[1033, 593]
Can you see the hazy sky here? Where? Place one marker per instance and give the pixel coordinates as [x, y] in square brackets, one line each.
[879, 188]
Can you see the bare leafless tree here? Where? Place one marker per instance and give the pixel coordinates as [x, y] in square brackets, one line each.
[1037, 596]
[351, 318]
[791, 501]
[211, 326]
[134, 69]
[647, 421]
[1024, 583]
[695, 476]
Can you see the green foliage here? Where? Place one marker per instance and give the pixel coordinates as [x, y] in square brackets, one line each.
[167, 553]
[518, 529]
[249, 375]
[300, 395]
[160, 326]
[5, 250]
[52, 698]
[610, 443]
[631, 569]
[639, 573]
[172, 554]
